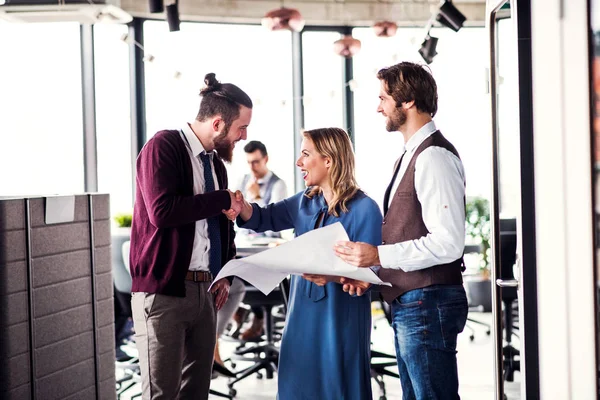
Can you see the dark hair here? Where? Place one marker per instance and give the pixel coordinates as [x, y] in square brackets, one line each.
[222, 99]
[254, 145]
[408, 81]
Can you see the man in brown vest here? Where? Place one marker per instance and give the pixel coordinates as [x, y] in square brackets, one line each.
[423, 238]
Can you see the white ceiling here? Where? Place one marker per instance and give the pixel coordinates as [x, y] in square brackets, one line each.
[315, 12]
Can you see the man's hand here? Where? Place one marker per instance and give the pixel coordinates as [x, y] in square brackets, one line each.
[238, 206]
[353, 286]
[358, 254]
[321, 280]
[221, 288]
[253, 189]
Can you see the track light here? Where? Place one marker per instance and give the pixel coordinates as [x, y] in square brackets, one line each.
[155, 6]
[173, 17]
[450, 17]
[427, 50]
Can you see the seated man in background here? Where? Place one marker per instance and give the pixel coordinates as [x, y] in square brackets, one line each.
[260, 186]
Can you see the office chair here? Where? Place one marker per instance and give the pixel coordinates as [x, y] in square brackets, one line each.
[470, 249]
[508, 256]
[380, 362]
[128, 366]
[263, 355]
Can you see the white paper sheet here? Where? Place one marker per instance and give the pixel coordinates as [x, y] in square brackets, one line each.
[311, 253]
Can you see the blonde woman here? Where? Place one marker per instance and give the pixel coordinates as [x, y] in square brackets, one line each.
[325, 350]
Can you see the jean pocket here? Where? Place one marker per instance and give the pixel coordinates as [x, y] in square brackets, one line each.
[414, 298]
[316, 292]
[453, 317]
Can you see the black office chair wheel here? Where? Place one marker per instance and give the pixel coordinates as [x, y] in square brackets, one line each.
[488, 332]
[233, 364]
[505, 397]
[472, 337]
[232, 392]
[382, 398]
[259, 375]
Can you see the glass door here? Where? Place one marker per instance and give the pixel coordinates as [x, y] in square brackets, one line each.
[512, 213]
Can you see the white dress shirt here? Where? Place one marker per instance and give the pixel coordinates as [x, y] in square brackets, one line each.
[440, 186]
[278, 193]
[278, 190]
[199, 261]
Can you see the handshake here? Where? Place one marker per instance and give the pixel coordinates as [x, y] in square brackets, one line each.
[239, 207]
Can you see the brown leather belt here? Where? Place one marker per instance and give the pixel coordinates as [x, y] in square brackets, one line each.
[199, 276]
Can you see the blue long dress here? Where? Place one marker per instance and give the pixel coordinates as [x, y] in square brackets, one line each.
[325, 349]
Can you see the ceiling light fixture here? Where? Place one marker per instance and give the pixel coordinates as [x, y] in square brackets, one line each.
[385, 28]
[347, 46]
[427, 50]
[450, 17]
[154, 6]
[283, 18]
[173, 16]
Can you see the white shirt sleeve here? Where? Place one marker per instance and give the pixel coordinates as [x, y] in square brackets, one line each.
[278, 191]
[440, 186]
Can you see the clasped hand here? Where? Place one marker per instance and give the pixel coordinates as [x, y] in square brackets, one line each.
[239, 206]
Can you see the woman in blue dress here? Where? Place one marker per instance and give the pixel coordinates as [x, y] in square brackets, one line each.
[325, 349]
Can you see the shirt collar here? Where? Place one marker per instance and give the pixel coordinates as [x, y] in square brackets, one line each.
[193, 141]
[423, 133]
[265, 178]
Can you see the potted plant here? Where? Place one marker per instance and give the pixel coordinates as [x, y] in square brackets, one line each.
[478, 231]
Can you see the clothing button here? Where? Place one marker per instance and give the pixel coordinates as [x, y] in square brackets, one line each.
[383, 242]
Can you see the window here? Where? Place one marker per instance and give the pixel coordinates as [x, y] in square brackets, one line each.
[113, 122]
[463, 106]
[41, 145]
[255, 59]
[323, 82]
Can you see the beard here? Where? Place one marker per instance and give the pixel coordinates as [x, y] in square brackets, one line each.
[223, 146]
[396, 120]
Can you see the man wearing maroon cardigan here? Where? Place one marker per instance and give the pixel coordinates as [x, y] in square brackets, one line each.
[180, 239]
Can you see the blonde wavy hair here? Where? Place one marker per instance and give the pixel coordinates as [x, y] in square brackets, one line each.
[335, 144]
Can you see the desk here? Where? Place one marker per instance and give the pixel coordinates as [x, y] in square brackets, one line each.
[248, 245]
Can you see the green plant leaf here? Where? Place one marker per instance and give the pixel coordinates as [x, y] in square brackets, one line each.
[123, 220]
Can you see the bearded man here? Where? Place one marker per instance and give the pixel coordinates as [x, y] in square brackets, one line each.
[180, 240]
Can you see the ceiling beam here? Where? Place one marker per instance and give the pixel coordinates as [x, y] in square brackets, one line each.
[315, 12]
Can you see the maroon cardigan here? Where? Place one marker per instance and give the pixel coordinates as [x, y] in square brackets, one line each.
[165, 215]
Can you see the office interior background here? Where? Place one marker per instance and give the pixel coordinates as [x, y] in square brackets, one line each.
[78, 100]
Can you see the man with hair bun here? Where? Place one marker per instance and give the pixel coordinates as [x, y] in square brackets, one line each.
[180, 240]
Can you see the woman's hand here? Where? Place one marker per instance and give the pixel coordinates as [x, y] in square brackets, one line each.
[353, 286]
[239, 206]
[321, 280]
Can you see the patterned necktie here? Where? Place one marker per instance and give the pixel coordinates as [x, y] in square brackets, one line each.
[388, 192]
[214, 234]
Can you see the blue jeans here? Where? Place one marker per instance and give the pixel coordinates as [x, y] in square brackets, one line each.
[426, 324]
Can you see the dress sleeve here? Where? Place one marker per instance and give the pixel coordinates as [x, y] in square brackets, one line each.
[366, 223]
[273, 217]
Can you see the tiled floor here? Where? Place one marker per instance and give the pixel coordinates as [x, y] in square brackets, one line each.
[475, 359]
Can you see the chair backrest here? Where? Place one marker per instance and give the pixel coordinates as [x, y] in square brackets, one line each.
[120, 263]
[508, 254]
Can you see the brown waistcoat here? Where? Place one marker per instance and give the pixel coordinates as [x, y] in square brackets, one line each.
[404, 221]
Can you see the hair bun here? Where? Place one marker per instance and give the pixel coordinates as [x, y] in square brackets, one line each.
[211, 82]
[210, 79]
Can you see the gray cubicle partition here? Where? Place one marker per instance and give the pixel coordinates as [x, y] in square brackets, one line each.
[56, 297]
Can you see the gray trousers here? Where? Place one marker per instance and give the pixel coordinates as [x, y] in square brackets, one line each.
[175, 337]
